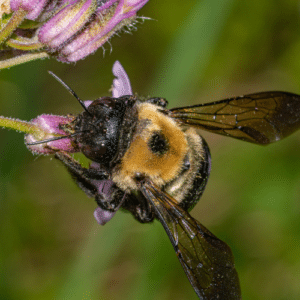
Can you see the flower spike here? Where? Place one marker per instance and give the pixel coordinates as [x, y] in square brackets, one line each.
[68, 30]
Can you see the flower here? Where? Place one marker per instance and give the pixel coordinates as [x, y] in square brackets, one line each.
[68, 30]
[49, 134]
[50, 129]
[40, 130]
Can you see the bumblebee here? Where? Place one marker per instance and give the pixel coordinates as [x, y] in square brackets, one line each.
[152, 162]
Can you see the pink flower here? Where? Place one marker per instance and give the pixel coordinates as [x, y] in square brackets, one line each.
[67, 30]
[50, 129]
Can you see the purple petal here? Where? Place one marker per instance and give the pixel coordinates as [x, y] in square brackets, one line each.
[37, 10]
[103, 216]
[27, 5]
[34, 7]
[87, 103]
[136, 4]
[106, 189]
[121, 84]
[107, 4]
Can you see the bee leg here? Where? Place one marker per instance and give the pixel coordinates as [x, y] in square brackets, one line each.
[109, 196]
[78, 174]
[139, 208]
[85, 184]
[75, 168]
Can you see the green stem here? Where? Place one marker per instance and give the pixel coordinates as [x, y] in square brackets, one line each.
[18, 125]
[15, 20]
[23, 58]
[25, 44]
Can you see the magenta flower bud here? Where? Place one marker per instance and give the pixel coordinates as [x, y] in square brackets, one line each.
[68, 30]
[114, 15]
[49, 126]
[33, 7]
[27, 5]
[66, 23]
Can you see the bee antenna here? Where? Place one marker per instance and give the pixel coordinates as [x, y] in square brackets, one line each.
[53, 139]
[71, 91]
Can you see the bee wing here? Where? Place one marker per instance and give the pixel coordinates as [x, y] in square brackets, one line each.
[260, 118]
[206, 260]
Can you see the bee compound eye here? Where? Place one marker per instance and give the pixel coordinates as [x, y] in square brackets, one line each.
[97, 152]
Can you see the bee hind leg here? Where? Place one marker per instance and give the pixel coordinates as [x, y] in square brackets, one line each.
[139, 207]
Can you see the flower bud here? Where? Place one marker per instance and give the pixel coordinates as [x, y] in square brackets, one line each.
[49, 127]
[108, 20]
[67, 30]
[33, 7]
[66, 23]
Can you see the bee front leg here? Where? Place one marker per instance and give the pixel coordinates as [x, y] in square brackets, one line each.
[109, 196]
[84, 178]
[75, 167]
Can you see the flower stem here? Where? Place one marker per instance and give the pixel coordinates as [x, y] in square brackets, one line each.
[22, 59]
[25, 44]
[15, 20]
[18, 125]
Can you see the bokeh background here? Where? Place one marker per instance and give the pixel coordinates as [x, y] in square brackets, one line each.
[191, 52]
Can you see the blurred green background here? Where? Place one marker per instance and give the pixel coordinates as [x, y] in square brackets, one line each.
[191, 52]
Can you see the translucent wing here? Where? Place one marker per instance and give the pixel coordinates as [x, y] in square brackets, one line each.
[260, 118]
[206, 260]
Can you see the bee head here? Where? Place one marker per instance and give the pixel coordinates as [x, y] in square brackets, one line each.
[100, 129]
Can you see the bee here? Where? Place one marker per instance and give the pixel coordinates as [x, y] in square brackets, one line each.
[152, 162]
